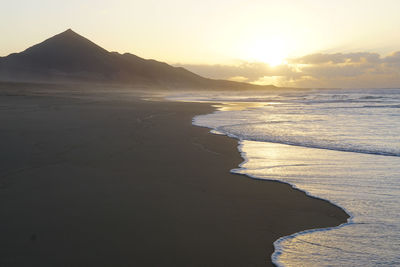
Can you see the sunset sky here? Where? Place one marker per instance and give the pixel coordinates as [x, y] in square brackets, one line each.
[289, 43]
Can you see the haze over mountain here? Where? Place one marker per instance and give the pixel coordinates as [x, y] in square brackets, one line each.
[69, 57]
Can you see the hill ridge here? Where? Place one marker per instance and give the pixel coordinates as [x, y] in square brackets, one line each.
[70, 57]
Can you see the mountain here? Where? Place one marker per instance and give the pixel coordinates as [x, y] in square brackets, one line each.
[69, 57]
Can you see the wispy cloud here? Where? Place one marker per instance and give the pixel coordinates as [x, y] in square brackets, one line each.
[361, 69]
[336, 58]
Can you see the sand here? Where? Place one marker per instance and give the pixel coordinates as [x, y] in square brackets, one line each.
[106, 179]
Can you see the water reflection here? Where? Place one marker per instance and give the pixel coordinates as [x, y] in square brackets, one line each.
[237, 106]
[367, 186]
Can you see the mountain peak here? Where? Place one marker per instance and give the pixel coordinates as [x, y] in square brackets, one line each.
[68, 36]
[68, 32]
[65, 44]
[65, 52]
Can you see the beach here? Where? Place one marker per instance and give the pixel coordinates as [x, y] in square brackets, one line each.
[104, 178]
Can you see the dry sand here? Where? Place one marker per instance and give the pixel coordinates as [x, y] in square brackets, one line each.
[91, 179]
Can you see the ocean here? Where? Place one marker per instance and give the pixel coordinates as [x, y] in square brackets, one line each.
[340, 145]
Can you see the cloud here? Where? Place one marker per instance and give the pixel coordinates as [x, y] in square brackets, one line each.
[336, 58]
[348, 70]
[393, 60]
[365, 70]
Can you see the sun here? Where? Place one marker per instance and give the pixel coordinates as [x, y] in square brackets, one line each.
[271, 51]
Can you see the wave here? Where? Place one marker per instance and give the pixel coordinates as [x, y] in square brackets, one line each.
[381, 106]
[304, 142]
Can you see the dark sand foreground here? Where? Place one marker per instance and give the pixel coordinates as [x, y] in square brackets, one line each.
[95, 179]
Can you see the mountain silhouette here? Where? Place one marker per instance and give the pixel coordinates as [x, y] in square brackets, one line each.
[70, 57]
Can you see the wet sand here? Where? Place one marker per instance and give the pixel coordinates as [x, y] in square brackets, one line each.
[107, 179]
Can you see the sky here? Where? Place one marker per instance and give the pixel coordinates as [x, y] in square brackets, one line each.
[307, 43]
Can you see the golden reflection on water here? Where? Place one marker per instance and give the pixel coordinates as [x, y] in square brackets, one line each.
[279, 161]
[237, 106]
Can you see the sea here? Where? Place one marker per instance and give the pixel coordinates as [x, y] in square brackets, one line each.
[340, 145]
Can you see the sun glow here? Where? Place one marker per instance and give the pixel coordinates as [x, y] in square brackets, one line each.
[271, 51]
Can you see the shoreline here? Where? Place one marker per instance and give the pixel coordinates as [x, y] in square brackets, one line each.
[277, 250]
[112, 194]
